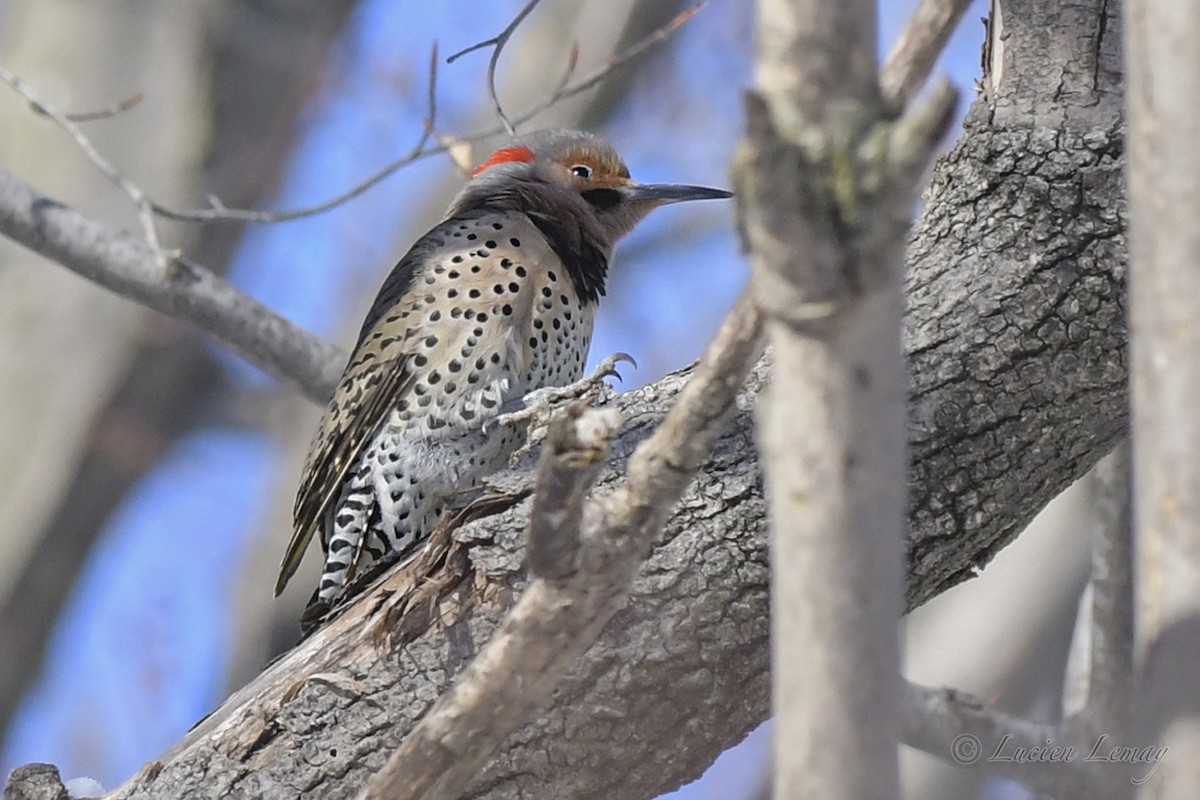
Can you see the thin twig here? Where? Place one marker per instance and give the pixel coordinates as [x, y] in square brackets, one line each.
[596, 76]
[218, 212]
[500, 42]
[572, 64]
[107, 113]
[420, 150]
[144, 204]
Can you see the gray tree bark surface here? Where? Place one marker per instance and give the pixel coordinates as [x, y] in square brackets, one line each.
[1015, 339]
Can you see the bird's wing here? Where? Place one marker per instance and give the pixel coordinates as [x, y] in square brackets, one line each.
[359, 408]
[377, 377]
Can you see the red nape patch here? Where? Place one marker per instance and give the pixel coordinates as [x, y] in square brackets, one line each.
[504, 156]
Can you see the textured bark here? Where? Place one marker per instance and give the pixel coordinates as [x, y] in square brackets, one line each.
[1015, 339]
[1016, 328]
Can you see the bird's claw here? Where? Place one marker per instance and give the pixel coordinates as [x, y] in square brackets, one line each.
[540, 402]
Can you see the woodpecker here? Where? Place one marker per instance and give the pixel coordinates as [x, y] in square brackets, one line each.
[493, 303]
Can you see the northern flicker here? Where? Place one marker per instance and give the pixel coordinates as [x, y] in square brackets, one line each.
[493, 303]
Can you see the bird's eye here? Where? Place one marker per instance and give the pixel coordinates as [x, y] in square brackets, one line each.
[581, 171]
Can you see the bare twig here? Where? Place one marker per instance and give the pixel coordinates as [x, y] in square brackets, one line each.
[106, 113]
[127, 266]
[145, 206]
[218, 212]
[557, 619]
[498, 42]
[596, 76]
[420, 150]
[1098, 690]
[917, 49]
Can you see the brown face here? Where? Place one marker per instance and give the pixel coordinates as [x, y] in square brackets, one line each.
[591, 171]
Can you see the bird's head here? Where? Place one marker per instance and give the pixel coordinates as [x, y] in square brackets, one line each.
[572, 176]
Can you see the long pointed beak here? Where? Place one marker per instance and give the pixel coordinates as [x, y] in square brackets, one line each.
[663, 193]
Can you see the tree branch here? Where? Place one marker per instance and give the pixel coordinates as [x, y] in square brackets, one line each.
[826, 180]
[916, 50]
[1164, 202]
[127, 266]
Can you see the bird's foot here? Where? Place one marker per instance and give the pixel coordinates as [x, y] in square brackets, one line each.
[535, 407]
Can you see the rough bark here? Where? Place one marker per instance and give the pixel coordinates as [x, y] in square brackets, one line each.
[1015, 340]
[1016, 328]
